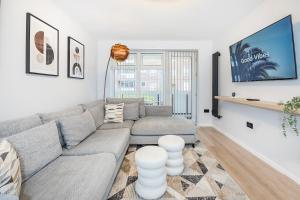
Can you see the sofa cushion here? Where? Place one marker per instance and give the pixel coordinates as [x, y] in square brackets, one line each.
[96, 108]
[130, 100]
[72, 178]
[162, 111]
[131, 111]
[76, 128]
[36, 148]
[126, 124]
[110, 141]
[10, 170]
[114, 113]
[47, 117]
[12, 127]
[163, 126]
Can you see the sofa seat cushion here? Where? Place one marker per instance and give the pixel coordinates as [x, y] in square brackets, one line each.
[72, 178]
[148, 126]
[126, 124]
[112, 141]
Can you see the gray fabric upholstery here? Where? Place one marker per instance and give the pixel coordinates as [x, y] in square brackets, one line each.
[109, 141]
[153, 139]
[12, 127]
[163, 126]
[76, 128]
[131, 111]
[47, 117]
[130, 100]
[165, 111]
[72, 178]
[96, 108]
[8, 197]
[36, 148]
[126, 124]
[117, 169]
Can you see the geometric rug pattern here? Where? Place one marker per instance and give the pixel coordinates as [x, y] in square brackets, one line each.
[203, 178]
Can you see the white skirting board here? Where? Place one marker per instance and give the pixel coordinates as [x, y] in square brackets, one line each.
[262, 157]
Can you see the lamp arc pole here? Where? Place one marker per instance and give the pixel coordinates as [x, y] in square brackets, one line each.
[105, 79]
[118, 52]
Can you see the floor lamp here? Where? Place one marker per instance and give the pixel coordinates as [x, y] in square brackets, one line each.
[119, 53]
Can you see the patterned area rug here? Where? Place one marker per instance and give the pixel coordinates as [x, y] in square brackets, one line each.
[202, 179]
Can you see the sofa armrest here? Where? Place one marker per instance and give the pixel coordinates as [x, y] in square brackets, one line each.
[159, 111]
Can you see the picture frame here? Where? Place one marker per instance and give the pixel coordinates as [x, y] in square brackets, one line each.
[42, 47]
[76, 56]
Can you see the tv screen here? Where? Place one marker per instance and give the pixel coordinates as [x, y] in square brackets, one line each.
[268, 54]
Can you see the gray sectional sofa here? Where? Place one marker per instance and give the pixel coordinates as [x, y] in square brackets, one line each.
[86, 171]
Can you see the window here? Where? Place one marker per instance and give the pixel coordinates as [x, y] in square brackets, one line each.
[141, 75]
[162, 77]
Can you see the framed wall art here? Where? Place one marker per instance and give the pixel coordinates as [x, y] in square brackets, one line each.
[75, 59]
[42, 47]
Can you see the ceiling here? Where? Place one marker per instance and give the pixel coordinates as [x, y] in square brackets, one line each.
[156, 19]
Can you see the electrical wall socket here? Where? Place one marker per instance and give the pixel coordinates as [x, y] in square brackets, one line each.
[206, 110]
[250, 125]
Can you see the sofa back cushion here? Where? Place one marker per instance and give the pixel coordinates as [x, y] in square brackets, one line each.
[55, 116]
[142, 112]
[131, 111]
[11, 127]
[76, 128]
[97, 109]
[36, 148]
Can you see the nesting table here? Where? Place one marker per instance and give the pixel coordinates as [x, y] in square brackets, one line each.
[151, 161]
[155, 162]
[173, 145]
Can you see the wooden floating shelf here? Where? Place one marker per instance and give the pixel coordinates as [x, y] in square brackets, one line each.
[258, 104]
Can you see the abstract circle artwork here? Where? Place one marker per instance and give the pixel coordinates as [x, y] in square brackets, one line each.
[41, 47]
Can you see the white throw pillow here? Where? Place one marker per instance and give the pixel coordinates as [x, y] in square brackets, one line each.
[114, 113]
[10, 170]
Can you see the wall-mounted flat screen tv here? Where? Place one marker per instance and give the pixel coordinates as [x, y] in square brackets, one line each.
[268, 54]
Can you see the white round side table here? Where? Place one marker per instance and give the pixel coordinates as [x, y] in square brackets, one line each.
[173, 145]
[151, 162]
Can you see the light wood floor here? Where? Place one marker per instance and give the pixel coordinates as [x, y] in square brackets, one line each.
[259, 180]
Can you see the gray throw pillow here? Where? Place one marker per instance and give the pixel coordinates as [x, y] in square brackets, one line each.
[36, 148]
[142, 109]
[97, 109]
[76, 128]
[47, 117]
[131, 111]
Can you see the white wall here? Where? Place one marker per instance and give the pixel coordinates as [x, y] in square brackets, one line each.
[266, 140]
[22, 94]
[204, 69]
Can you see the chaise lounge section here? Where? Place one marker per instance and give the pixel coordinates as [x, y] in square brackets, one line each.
[88, 170]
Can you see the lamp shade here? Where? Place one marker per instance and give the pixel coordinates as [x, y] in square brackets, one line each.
[119, 52]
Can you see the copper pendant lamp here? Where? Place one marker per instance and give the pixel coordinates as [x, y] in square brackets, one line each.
[119, 53]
